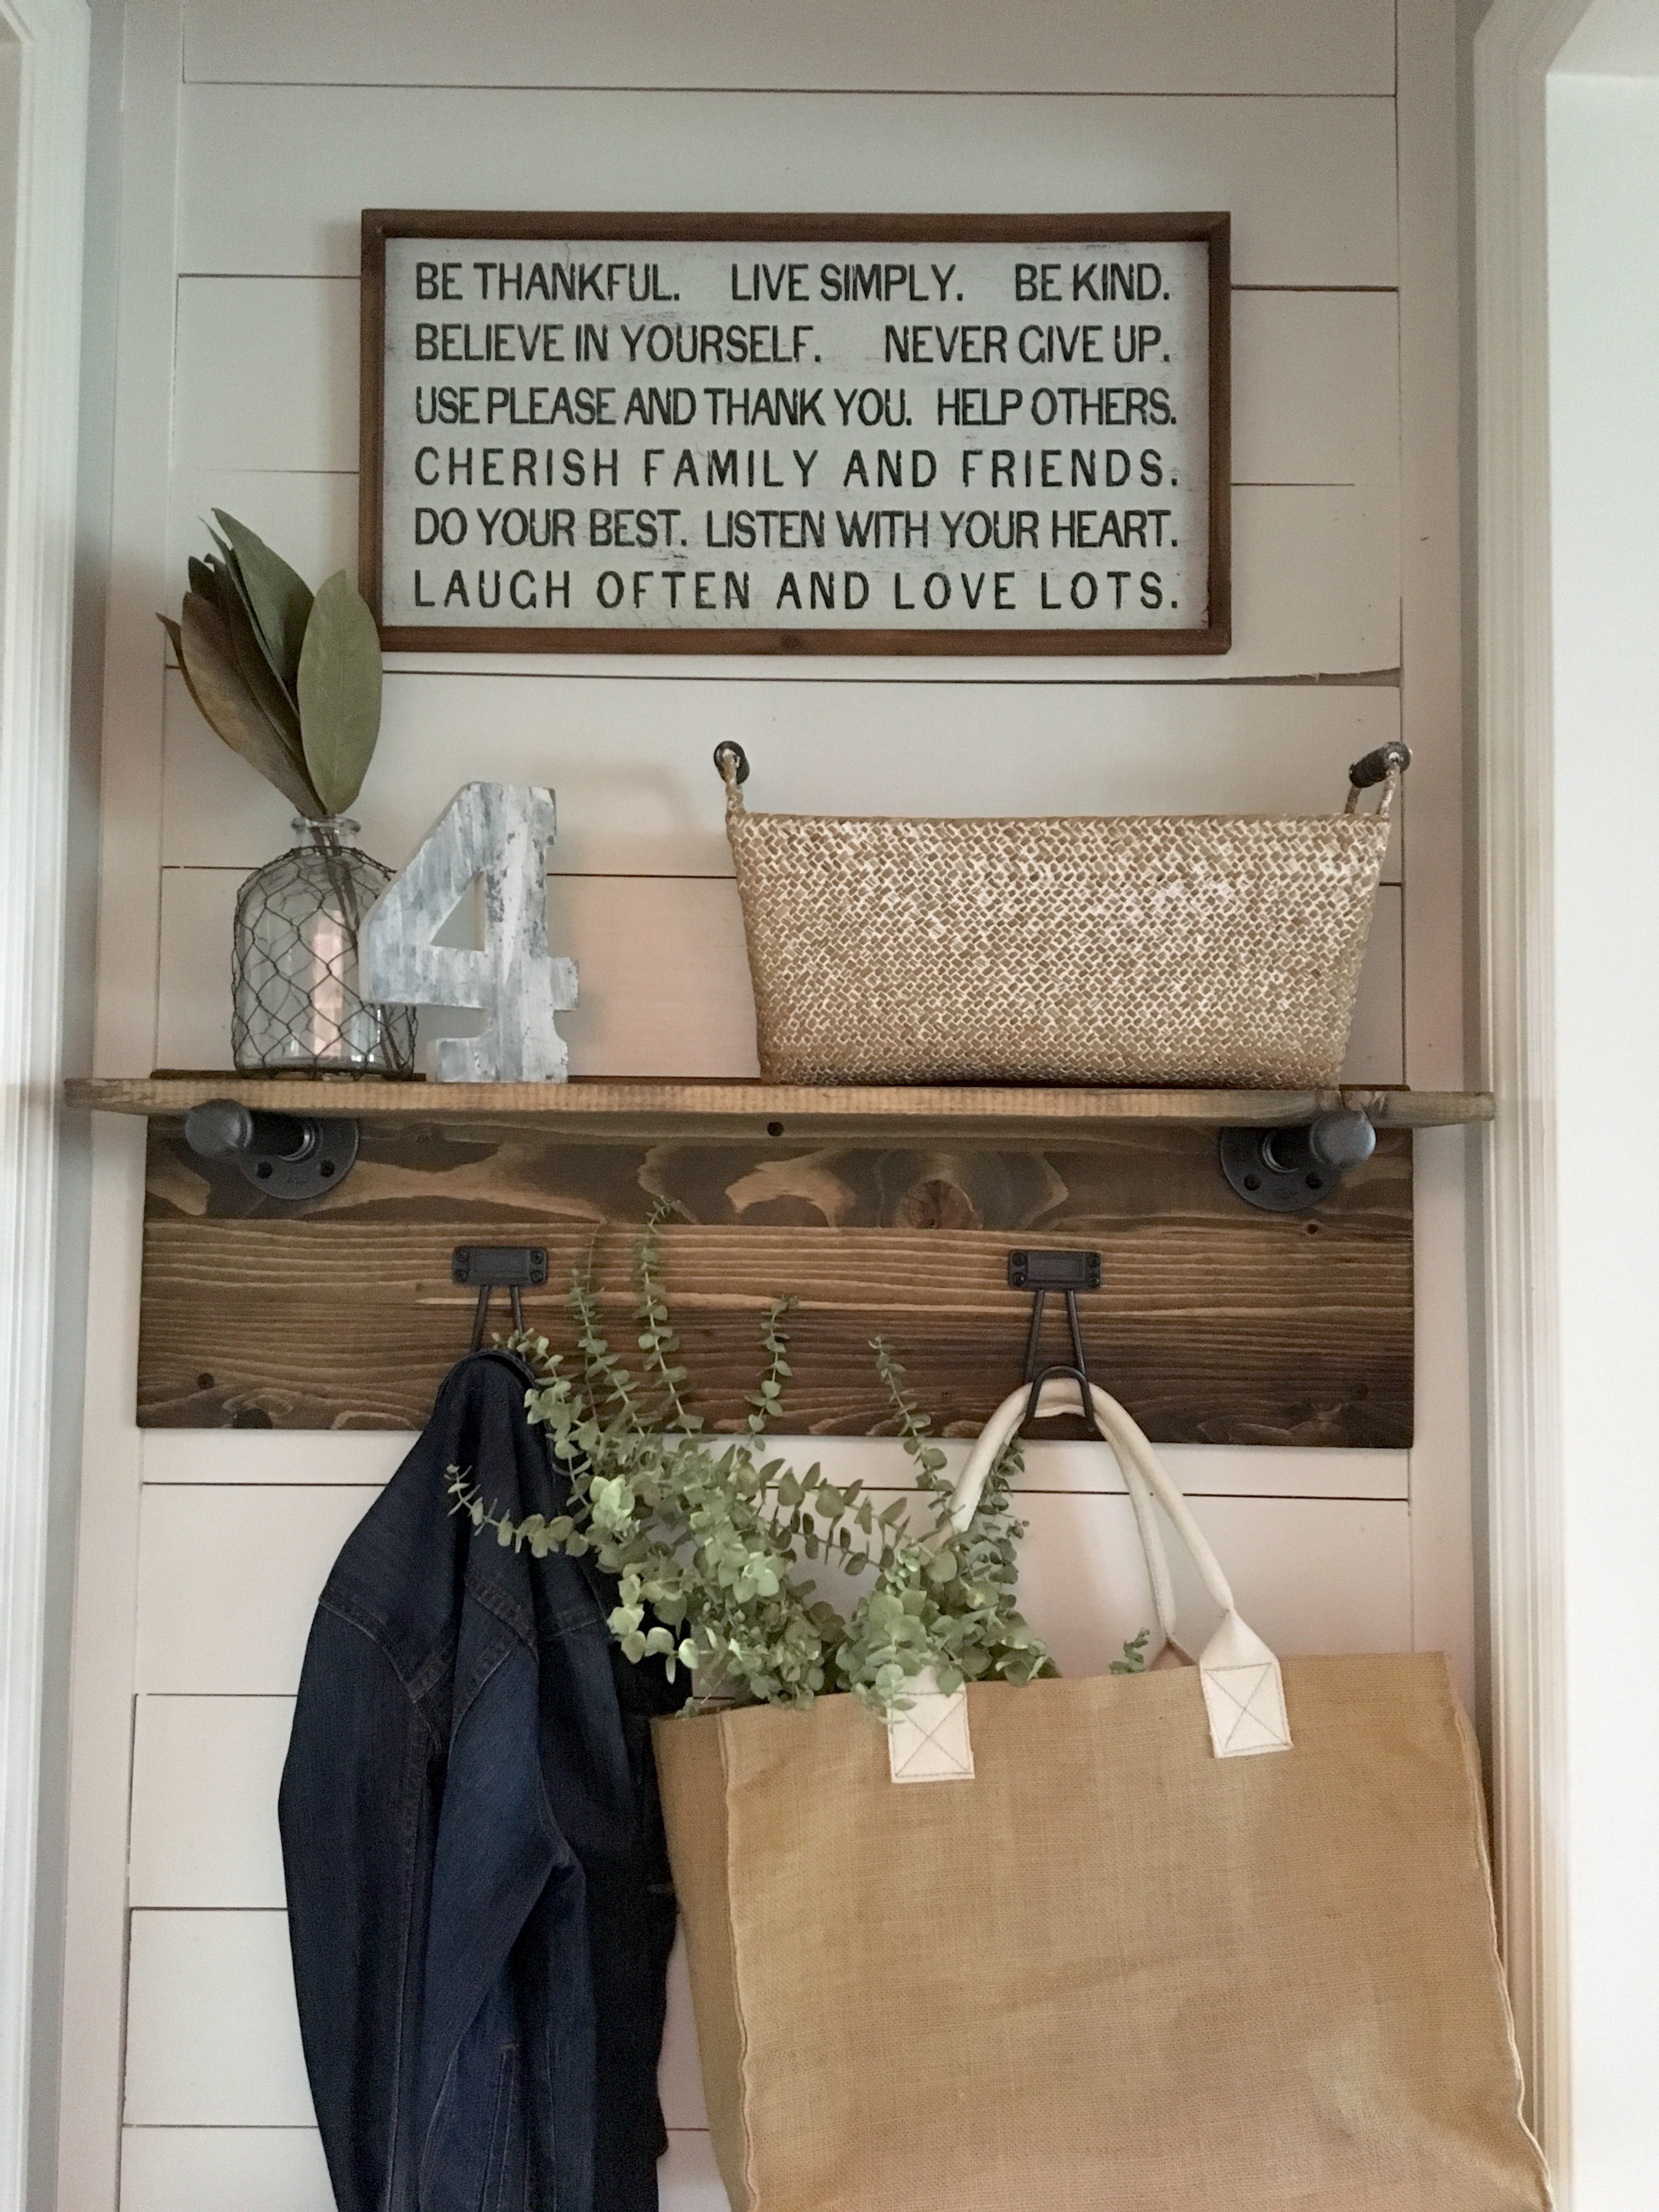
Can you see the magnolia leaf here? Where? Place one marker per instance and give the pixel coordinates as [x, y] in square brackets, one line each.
[259, 661]
[339, 692]
[227, 570]
[278, 600]
[202, 578]
[207, 661]
[253, 665]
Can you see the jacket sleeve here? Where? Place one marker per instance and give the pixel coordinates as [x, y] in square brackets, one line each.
[500, 1859]
[354, 1811]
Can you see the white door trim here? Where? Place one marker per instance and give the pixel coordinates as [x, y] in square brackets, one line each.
[47, 65]
[1513, 53]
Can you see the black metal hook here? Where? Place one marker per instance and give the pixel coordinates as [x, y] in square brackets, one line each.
[1068, 1273]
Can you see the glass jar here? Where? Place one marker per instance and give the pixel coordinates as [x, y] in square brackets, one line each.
[294, 967]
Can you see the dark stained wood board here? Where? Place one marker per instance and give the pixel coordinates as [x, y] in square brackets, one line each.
[1216, 1323]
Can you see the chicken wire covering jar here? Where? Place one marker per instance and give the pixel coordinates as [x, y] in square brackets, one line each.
[1180, 950]
[296, 1000]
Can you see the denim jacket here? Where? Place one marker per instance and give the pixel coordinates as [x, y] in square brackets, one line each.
[478, 1892]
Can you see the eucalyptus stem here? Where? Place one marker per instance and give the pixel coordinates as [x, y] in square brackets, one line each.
[708, 1542]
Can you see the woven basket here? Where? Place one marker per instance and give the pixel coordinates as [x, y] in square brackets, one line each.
[1134, 949]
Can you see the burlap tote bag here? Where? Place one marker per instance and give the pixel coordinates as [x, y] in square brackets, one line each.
[1214, 1938]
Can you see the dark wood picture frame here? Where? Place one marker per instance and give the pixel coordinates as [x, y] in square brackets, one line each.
[1212, 229]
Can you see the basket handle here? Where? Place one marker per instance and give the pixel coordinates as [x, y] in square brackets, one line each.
[1385, 766]
[732, 763]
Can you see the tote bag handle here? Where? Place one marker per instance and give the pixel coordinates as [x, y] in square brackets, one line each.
[1243, 1690]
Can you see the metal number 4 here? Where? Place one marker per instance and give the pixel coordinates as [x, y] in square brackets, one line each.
[502, 833]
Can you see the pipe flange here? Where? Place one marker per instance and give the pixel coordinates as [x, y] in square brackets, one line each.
[331, 1155]
[1292, 1170]
[291, 1157]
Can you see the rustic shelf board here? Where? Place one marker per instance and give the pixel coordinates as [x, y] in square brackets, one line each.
[1215, 1323]
[603, 1110]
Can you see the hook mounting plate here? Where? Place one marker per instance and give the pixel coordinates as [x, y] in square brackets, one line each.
[513, 1268]
[1068, 1273]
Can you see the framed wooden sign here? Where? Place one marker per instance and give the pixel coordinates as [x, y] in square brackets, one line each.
[796, 434]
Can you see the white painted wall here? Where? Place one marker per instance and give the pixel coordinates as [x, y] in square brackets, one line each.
[252, 133]
[1603, 150]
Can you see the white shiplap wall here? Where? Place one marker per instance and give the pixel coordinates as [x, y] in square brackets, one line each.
[253, 134]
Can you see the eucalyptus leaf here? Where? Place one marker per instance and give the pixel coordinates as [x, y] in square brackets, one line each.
[278, 600]
[207, 661]
[339, 692]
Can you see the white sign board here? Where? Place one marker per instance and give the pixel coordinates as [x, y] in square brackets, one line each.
[928, 440]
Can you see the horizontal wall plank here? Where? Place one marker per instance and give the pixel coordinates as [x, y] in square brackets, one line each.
[630, 763]
[1315, 589]
[1311, 1575]
[664, 977]
[265, 372]
[282, 2170]
[219, 2169]
[663, 974]
[204, 1776]
[863, 45]
[271, 177]
[366, 1456]
[213, 2037]
[253, 1562]
[1316, 388]
[265, 378]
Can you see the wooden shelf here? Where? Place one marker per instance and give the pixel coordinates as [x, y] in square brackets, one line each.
[601, 1109]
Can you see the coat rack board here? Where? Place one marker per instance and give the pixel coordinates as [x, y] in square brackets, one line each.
[883, 1213]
